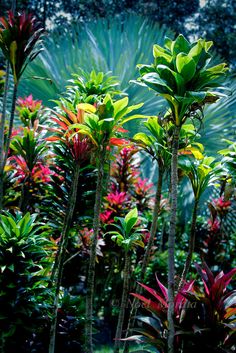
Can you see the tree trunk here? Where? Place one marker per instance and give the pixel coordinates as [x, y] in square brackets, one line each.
[92, 259]
[171, 239]
[2, 126]
[145, 261]
[58, 271]
[124, 302]
[191, 245]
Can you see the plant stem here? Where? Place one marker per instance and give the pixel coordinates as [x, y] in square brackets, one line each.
[124, 301]
[61, 253]
[171, 239]
[191, 245]
[92, 259]
[147, 254]
[13, 106]
[2, 126]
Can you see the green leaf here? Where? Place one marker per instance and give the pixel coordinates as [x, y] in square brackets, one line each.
[144, 138]
[120, 105]
[153, 81]
[180, 45]
[130, 220]
[13, 50]
[186, 66]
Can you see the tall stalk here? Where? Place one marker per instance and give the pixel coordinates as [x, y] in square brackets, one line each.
[92, 259]
[2, 126]
[124, 302]
[191, 244]
[58, 271]
[12, 113]
[171, 239]
[147, 254]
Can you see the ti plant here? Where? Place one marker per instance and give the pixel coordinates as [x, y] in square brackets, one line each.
[204, 317]
[25, 262]
[103, 126]
[27, 161]
[181, 73]
[19, 38]
[90, 88]
[79, 148]
[202, 174]
[214, 328]
[28, 110]
[128, 236]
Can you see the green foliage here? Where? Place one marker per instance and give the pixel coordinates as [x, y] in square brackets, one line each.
[182, 75]
[24, 262]
[201, 173]
[101, 124]
[29, 148]
[89, 87]
[128, 236]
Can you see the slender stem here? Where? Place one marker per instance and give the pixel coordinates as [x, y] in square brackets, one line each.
[191, 244]
[13, 106]
[92, 259]
[171, 239]
[2, 126]
[123, 304]
[61, 254]
[147, 254]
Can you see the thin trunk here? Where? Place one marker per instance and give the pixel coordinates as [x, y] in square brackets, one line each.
[171, 239]
[61, 254]
[13, 106]
[147, 254]
[92, 259]
[123, 304]
[2, 126]
[191, 245]
[162, 245]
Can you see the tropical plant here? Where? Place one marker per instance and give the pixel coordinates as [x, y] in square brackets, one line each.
[101, 125]
[182, 74]
[28, 110]
[79, 149]
[128, 236]
[25, 262]
[200, 315]
[28, 164]
[19, 38]
[86, 88]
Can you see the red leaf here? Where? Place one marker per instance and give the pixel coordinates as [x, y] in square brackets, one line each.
[155, 294]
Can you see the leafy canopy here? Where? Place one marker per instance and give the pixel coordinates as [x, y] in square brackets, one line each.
[181, 73]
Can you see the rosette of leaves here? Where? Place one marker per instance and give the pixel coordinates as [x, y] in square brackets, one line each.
[28, 153]
[182, 74]
[25, 261]
[18, 38]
